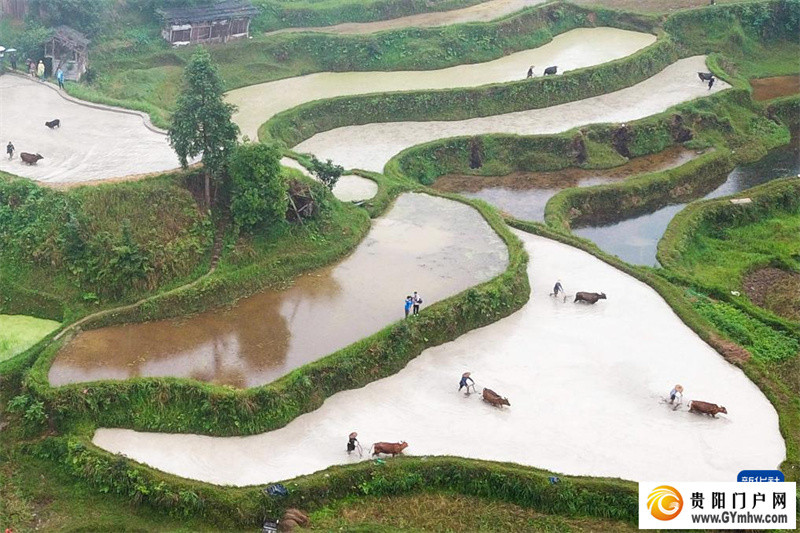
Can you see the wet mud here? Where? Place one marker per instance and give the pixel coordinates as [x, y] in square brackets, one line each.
[769, 88]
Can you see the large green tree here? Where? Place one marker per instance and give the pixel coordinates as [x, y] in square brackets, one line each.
[258, 190]
[202, 121]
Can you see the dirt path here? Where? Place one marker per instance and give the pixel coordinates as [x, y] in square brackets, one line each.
[585, 393]
[491, 10]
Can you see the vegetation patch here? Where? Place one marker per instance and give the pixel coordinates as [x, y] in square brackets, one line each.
[19, 332]
[98, 245]
[765, 343]
[444, 512]
[716, 243]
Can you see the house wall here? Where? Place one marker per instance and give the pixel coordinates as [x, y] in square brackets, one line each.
[218, 31]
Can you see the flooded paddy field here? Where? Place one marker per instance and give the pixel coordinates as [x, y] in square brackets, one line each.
[570, 50]
[369, 147]
[635, 240]
[586, 397]
[524, 195]
[432, 245]
[90, 144]
[483, 12]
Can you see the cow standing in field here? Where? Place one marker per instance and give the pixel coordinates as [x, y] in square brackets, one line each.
[705, 76]
[56, 123]
[30, 159]
[590, 297]
[491, 397]
[706, 408]
[392, 448]
[550, 70]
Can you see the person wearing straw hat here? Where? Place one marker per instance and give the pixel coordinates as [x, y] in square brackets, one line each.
[558, 288]
[352, 443]
[463, 383]
[676, 394]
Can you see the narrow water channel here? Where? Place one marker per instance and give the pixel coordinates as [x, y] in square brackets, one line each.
[635, 240]
[432, 245]
[524, 195]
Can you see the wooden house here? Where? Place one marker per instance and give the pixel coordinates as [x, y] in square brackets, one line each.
[68, 50]
[218, 22]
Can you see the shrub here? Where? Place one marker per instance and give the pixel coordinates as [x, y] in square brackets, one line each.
[327, 172]
[258, 189]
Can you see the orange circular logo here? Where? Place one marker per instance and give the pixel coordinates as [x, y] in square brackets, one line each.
[665, 502]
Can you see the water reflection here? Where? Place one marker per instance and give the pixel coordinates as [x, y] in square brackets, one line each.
[424, 243]
[635, 240]
[524, 195]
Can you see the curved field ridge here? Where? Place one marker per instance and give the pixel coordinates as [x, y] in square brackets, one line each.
[486, 11]
[349, 188]
[586, 397]
[579, 48]
[91, 144]
[369, 147]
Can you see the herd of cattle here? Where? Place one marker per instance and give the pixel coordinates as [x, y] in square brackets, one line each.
[494, 399]
[32, 159]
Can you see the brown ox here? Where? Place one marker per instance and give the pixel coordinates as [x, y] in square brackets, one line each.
[706, 408]
[392, 448]
[31, 159]
[590, 297]
[293, 518]
[495, 399]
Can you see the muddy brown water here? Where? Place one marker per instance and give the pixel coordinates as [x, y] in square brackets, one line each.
[436, 246]
[769, 88]
[524, 195]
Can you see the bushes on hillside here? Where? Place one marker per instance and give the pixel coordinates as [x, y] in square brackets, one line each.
[258, 189]
[110, 241]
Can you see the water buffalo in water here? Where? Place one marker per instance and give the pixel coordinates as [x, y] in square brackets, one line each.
[31, 159]
[550, 70]
[589, 297]
[705, 76]
[706, 408]
[392, 448]
[53, 124]
[495, 399]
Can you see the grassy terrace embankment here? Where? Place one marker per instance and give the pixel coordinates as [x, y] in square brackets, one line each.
[183, 405]
[146, 78]
[102, 247]
[764, 30]
[715, 243]
[179, 405]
